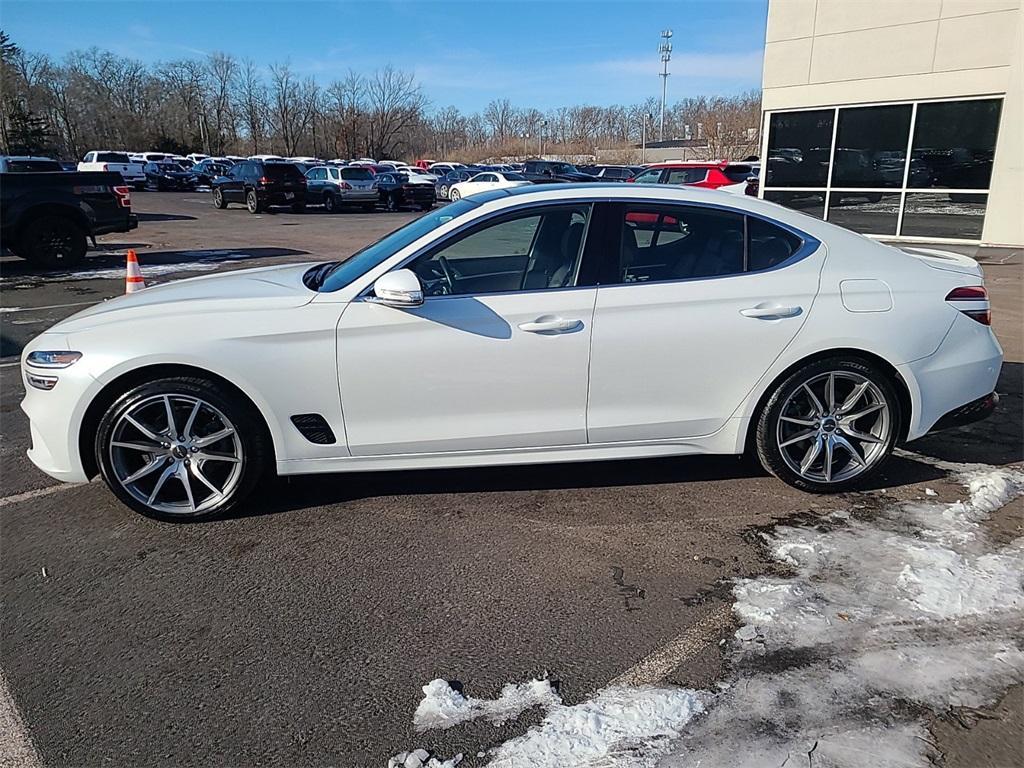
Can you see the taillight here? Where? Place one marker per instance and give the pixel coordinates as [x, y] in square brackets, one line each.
[973, 301]
[124, 196]
[346, 185]
[263, 180]
[106, 167]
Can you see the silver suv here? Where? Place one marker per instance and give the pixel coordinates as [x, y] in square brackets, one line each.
[335, 187]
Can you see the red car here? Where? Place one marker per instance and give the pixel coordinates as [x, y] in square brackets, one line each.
[711, 175]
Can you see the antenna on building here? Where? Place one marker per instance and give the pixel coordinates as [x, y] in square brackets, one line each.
[665, 49]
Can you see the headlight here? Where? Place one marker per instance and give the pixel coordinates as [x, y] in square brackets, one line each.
[41, 359]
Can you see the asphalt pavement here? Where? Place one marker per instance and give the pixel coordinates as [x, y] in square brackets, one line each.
[300, 631]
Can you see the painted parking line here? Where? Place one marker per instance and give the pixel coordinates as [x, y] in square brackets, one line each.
[37, 493]
[49, 306]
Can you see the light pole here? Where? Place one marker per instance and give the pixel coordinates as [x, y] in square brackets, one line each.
[643, 139]
[665, 49]
[540, 137]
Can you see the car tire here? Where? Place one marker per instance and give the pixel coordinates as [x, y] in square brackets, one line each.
[455, 195]
[330, 204]
[391, 203]
[252, 202]
[443, 192]
[53, 242]
[802, 425]
[220, 475]
[218, 200]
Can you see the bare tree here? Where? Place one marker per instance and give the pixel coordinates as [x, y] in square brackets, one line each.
[251, 101]
[395, 105]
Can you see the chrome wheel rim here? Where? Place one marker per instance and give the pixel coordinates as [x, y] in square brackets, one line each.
[250, 202]
[834, 427]
[217, 198]
[177, 454]
[455, 195]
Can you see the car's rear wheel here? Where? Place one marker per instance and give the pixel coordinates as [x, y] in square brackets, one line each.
[252, 202]
[330, 204]
[181, 448]
[391, 203]
[454, 195]
[218, 199]
[830, 425]
[53, 242]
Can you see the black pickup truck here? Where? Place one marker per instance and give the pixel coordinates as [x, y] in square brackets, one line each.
[47, 218]
[548, 171]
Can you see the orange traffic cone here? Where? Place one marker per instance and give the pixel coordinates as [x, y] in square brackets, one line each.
[133, 278]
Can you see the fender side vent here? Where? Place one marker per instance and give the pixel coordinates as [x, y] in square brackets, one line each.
[314, 428]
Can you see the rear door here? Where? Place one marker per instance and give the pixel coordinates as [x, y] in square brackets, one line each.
[697, 305]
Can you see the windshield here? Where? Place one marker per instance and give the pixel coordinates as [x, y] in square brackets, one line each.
[369, 257]
[565, 168]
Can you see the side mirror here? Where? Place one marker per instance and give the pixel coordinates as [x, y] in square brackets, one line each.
[400, 288]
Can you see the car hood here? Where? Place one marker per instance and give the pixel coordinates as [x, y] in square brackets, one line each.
[262, 288]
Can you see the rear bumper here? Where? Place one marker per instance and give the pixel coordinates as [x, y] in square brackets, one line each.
[360, 196]
[130, 223]
[976, 410]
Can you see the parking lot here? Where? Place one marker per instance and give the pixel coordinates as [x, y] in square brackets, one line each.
[302, 631]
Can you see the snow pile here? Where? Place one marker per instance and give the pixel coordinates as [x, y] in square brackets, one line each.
[420, 758]
[620, 726]
[912, 608]
[443, 706]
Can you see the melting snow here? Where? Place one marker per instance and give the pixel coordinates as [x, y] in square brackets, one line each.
[888, 615]
[443, 706]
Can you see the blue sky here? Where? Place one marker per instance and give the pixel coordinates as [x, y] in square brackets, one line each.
[541, 53]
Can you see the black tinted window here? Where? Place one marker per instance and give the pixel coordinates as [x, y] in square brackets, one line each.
[768, 245]
[798, 148]
[871, 146]
[954, 143]
[281, 171]
[738, 173]
[356, 174]
[33, 166]
[112, 157]
[679, 243]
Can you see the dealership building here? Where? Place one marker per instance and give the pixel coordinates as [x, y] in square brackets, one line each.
[897, 118]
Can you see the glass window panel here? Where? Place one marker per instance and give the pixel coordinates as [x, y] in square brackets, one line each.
[799, 145]
[768, 245]
[954, 142]
[865, 212]
[871, 146]
[811, 203]
[930, 214]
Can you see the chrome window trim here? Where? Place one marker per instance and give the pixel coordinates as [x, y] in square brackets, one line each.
[809, 244]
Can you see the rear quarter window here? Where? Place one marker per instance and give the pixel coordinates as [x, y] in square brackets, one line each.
[768, 245]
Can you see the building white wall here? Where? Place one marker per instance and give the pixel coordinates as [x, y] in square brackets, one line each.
[829, 52]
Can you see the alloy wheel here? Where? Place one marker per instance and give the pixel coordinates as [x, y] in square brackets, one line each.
[176, 454]
[834, 427]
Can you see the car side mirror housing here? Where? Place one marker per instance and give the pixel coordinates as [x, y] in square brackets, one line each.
[401, 288]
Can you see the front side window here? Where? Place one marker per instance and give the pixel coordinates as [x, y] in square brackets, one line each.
[678, 243]
[530, 251]
[649, 177]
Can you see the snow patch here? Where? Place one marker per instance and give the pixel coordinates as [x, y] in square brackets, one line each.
[620, 726]
[887, 616]
[442, 706]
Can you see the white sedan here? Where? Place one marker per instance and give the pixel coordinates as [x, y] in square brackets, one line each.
[484, 182]
[540, 324]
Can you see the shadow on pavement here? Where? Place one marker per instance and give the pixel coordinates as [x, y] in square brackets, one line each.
[165, 217]
[286, 494]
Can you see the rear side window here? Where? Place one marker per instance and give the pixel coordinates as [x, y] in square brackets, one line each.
[686, 175]
[112, 157]
[768, 245]
[356, 174]
[281, 171]
[679, 243]
[649, 177]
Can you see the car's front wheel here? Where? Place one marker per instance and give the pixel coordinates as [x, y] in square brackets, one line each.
[182, 448]
[830, 425]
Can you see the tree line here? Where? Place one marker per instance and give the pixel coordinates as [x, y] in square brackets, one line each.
[219, 104]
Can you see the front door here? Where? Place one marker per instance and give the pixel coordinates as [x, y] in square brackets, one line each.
[700, 304]
[496, 357]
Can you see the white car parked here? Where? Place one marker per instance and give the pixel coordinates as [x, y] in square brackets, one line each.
[119, 162]
[539, 324]
[485, 181]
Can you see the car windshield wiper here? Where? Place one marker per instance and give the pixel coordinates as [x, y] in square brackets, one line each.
[315, 277]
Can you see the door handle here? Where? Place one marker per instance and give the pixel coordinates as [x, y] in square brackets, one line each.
[548, 324]
[771, 313]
